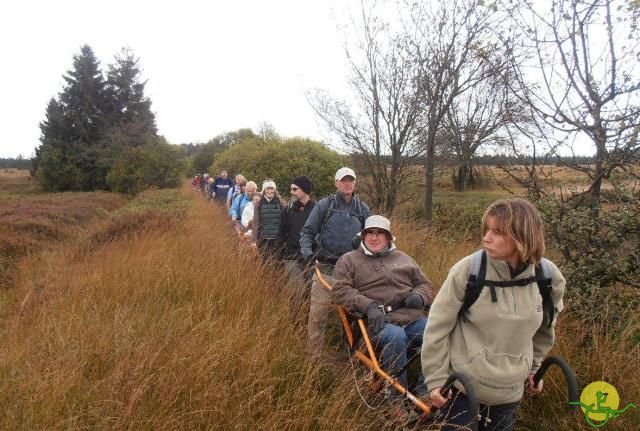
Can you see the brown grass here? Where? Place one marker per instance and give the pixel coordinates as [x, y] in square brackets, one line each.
[166, 325]
[165, 329]
[30, 223]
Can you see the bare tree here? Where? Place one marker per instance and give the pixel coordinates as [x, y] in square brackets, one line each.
[479, 118]
[381, 128]
[446, 39]
[577, 71]
[586, 83]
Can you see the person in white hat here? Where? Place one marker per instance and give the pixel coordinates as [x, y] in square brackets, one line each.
[325, 236]
[387, 287]
[266, 220]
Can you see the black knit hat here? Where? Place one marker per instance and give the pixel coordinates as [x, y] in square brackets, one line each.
[303, 182]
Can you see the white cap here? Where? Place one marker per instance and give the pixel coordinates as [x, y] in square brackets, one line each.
[345, 172]
[267, 184]
[379, 222]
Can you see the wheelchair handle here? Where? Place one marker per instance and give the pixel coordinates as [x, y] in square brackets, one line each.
[569, 375]
[470, 393]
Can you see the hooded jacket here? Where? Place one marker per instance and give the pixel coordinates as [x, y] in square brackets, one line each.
[500, 343]
[363, 278]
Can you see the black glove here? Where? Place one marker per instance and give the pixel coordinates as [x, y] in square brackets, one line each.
[375, 319]
[414, 301]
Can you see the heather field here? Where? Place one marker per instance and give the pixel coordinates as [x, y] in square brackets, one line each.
[146, 313]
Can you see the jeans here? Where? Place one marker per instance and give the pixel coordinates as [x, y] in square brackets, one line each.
[397, 345]
[501, 417]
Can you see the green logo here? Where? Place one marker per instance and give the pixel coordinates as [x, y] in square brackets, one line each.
[599, 402]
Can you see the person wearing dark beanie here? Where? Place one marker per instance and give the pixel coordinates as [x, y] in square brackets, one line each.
[294, 216]
[303, 183]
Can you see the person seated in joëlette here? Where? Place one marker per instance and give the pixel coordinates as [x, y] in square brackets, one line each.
[387, 287]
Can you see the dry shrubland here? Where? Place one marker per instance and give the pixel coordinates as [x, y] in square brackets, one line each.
[158, 320]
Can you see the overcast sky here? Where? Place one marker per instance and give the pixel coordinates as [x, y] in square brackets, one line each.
[211, 66]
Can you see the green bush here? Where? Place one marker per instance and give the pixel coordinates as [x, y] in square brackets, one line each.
[160, 165]
[282, 161]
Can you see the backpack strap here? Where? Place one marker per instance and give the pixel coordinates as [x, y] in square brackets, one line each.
[545, 285]
[475, 281]
[328, 212]
[359, 212]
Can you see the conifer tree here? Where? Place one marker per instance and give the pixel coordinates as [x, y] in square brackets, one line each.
[131, 121]
[72, 131]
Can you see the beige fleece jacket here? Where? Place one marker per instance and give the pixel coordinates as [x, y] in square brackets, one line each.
[500, 343]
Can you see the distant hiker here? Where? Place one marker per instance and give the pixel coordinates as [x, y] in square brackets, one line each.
[387, 287]
[235, 190]
[220, 187]
[293, 219]
[266, 220]
[196, 182]
[326, 236]
[203, 183]
[209, 187]
[247, 215]
[242, 200]
[494, 317]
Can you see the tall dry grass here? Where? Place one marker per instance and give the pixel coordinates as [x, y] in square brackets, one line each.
[167, 328]
[161, 322]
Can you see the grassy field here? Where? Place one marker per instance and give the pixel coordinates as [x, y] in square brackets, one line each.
[152, 318]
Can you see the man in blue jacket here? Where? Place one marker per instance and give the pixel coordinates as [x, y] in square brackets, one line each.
[220, 187]
[326, 236]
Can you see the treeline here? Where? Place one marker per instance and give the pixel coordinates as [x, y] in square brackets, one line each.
[17, 163]
[99, 133]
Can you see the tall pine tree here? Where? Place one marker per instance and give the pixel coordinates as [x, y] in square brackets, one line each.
[131, 120]
[72, 131]
[94, 123]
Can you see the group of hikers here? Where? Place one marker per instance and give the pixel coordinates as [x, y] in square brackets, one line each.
[493, 318]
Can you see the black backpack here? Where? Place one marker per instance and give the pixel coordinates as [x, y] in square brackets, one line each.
[476, 282]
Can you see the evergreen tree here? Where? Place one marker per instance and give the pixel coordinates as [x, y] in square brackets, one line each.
[96, 126]
[72, 131]
[131, 115]
[53, 162]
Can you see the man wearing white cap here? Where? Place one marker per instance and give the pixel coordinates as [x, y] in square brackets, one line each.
[326, 236]
[387, 287]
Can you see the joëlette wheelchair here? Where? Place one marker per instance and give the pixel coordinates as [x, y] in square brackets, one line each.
[366, 354]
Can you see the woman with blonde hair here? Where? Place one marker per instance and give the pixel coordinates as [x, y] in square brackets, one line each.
[492, 320]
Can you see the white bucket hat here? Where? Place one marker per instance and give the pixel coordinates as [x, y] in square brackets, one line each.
[379, 222]
[345, 172]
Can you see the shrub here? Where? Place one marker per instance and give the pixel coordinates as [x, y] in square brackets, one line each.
[282, 161]
[160, 165]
